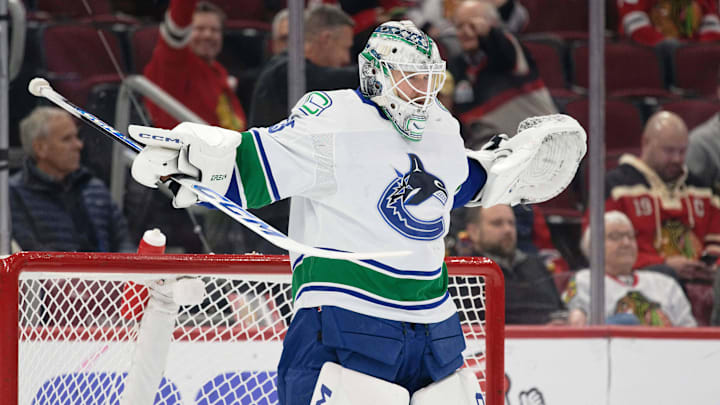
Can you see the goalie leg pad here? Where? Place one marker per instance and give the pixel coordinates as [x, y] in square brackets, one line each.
[338, 385]
[459, 388]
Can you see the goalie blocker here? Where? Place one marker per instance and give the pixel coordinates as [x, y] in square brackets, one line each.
[338, 385]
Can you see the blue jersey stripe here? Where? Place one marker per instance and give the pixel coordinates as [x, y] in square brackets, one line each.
[387, 268]
[297, 261]
[266, 164]
[403, 272]
[373, 300]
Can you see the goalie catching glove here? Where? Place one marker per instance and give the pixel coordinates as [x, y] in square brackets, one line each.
[533, 166]
[202, 152]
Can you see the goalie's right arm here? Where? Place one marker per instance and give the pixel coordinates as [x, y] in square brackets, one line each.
[202, 152]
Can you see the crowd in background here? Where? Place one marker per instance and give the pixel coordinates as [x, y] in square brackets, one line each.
[662, 232]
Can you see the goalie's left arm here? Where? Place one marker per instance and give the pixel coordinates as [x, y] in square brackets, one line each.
[534, 166]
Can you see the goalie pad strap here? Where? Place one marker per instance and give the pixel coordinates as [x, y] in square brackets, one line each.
[459, 388]
[338, 385]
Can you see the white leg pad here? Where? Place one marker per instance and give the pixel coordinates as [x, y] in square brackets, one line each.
[459, 388]
[338, 385]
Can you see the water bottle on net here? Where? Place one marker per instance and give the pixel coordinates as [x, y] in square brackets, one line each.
[135, 296]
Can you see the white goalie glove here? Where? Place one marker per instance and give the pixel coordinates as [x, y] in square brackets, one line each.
[533, 166]
[203, 152]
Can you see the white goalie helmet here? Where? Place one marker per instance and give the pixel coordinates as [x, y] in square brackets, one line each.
[402, 72]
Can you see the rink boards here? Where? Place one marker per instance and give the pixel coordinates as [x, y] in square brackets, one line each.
[594, 366]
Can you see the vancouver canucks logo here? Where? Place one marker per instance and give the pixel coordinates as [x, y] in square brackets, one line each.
[408, 190]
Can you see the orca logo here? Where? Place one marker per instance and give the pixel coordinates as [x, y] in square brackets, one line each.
[412, 189]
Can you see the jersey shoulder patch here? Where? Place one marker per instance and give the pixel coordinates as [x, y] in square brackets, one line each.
[313, 103]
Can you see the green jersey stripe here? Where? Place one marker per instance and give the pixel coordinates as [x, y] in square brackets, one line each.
[322, 270]
[252, 175]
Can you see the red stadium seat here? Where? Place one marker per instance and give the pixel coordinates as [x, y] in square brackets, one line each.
[73, 9]
[696, 68]
[75, 60]
[693, 112]
[565, 207]
[142, 43]
[549, 60]
[630, 70]
[565, 18]
[623, 122]
[250, 9]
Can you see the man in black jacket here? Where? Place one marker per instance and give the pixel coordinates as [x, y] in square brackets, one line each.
[328, 38]
[55, 204]
[530, 293]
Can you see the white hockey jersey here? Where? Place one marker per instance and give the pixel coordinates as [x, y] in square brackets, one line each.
[656, 299]
[357, 186]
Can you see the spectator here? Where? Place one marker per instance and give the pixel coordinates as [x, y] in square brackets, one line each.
[676, 218]
[530, 293]
[280, 31]
[650, 22]
[532, 233]
[184, 64]
[328, 37]
[631, 296]
[703, 154]
[497, 84]
[56, 204]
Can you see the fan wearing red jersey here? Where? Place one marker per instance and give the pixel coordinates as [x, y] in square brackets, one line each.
[184, 63]
[651, 21]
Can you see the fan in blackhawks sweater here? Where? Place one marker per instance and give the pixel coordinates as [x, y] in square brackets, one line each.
[649, 22]
[676, 219]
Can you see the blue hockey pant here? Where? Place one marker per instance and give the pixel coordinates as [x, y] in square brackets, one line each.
[411, 355]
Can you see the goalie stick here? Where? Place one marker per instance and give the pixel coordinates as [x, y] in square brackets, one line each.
[41, 88]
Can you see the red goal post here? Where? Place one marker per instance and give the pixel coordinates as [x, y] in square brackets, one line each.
[60, 324]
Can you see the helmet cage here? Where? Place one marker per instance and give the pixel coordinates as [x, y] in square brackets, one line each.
[402, 72]
[424, 80]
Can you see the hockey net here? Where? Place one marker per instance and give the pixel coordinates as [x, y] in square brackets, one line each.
[63, 323]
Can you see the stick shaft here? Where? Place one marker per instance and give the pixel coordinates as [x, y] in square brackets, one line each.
[89, 119]
[206, 194]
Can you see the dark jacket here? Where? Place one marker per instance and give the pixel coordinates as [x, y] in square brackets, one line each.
[74, 215]
[269, 101]
[530, 293]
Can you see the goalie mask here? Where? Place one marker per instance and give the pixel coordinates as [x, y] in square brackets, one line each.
[402, 72]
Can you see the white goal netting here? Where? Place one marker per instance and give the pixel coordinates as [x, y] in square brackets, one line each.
[78, 334]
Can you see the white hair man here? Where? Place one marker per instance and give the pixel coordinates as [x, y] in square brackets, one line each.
[280, 31]
[55, 203]
[375, 168]
[640, 296]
